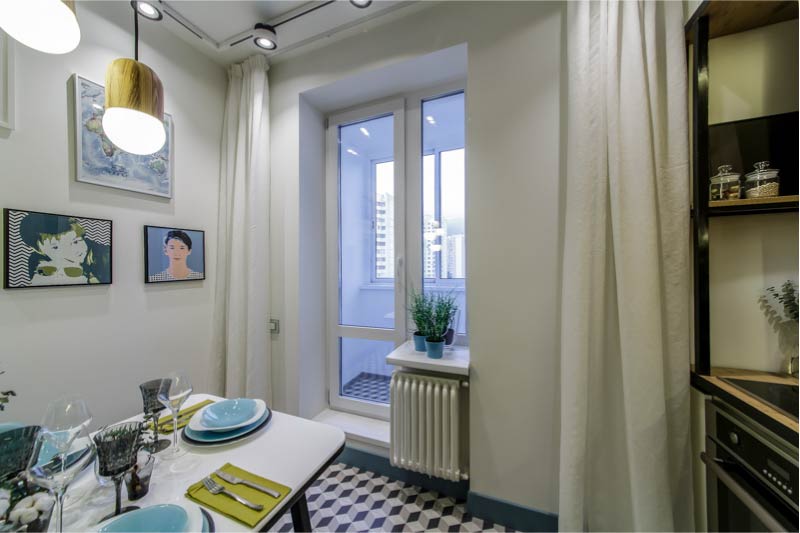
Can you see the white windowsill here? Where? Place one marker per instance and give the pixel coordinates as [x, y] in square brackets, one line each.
[361, 429]
[455, 359]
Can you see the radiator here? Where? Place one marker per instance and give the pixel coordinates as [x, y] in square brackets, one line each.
[428, 425]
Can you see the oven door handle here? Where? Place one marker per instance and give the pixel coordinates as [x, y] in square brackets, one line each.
[745, 497]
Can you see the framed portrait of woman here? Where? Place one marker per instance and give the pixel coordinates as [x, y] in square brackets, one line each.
[174, 254]
[50, 250]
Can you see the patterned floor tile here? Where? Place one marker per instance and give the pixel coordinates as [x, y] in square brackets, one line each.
[348, 499]
[367, 386]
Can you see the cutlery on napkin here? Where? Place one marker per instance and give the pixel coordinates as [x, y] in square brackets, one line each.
[233, 480]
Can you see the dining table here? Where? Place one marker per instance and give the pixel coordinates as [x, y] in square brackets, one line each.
[289, 450]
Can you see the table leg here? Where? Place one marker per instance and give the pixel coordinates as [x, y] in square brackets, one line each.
[300, 518]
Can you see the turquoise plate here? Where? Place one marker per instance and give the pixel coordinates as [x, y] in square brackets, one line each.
[227, 413]
[216, 437]
[161, 518]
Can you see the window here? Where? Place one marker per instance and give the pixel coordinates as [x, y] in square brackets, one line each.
[371, 230]
[443, 201]
[383, 222]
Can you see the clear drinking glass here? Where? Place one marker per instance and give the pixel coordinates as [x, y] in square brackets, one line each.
[54, 464]
[172, 394]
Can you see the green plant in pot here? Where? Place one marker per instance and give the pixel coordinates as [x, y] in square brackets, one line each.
[444, 311]
[783, 313]
[421, 311]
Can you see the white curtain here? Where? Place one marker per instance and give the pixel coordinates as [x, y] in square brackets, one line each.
[625, 439]
[241, 337]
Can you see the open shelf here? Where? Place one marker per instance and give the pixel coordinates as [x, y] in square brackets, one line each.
[753, 206]
[726, 18]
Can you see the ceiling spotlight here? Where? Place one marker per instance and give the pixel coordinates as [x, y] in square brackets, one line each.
[361, 3]
[146, 9]
[351, 151]
[49, 26]
[431, 120]
[265, 37]
[364, 130]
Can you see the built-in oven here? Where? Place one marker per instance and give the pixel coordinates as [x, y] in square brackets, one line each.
[751, 474]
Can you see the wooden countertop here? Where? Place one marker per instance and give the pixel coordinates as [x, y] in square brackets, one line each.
[774, 419]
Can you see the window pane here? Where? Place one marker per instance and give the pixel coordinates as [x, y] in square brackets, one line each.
[365, 374]
[384, 220]
[366, 223]
[443, 200]
[453, 263]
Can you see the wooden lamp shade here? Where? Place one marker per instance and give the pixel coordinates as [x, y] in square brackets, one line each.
[136, 86]
[134, 109]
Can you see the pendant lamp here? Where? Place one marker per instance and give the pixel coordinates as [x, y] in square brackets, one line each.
[49, 26]
[134, 109]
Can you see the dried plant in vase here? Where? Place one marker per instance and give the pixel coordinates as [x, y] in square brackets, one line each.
[783, 319]
[5, 396]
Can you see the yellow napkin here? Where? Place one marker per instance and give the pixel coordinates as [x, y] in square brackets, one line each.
[184, 416]
[231, 508]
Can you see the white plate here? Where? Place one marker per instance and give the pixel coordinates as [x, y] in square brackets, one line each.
[196, 422]
[193, 524]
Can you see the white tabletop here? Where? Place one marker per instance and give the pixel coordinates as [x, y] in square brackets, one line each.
[455, 359]
[289, 450]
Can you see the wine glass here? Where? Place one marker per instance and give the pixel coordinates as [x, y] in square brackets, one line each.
[152, 406]
[53, 465]
[65, 418]
[172, 394]
[117, 447]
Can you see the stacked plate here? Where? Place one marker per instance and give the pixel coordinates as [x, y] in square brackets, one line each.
[170, 518]
[226, 421]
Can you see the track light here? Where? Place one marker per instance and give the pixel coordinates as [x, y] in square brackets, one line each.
[361, 3]
[266, 37]
[147, 10]
[49, 26]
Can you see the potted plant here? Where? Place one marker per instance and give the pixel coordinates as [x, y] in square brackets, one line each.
[421, 310]
[444, 310]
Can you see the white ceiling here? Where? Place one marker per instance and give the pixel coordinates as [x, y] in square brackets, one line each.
[220, 20]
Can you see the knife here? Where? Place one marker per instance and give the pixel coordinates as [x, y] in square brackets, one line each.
[233, 480]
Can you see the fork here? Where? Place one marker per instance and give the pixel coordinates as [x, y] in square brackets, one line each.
[233, 480]
[215, 488]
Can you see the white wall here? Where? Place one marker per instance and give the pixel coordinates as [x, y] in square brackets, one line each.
[102, 342]
[513, 220]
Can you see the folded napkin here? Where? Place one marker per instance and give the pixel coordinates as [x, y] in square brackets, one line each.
[231, 508]
[184, 415]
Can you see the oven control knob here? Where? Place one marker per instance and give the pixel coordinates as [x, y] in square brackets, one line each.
[733, 437]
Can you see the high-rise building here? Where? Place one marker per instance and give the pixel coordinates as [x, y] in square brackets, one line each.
[384, 236]
[456, 256]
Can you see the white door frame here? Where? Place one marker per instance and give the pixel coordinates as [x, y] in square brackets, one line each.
[396, 108]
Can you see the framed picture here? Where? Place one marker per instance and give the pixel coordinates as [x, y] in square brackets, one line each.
[48, 250]
[174, 254]
[100, 162]
[6, 81]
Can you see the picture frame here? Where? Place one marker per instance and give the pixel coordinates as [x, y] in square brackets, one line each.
[7, 82]
[53, 250]
[99, 162]
[174, 254]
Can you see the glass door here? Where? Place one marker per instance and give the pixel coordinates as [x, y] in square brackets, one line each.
[366, 241]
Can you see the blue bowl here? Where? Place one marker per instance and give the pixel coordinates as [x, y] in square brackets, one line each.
[229, 412]
[164, 518]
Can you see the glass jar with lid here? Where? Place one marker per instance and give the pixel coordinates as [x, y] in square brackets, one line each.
[763, 182]
[725, 185]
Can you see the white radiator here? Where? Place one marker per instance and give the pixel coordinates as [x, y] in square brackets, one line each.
[429, 433]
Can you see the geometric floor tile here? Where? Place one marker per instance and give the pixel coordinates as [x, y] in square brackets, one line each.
[367, 386]
[346, 498]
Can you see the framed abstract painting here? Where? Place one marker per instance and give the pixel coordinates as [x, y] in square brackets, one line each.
[100, 162]
[174, 254]
[49, 250]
